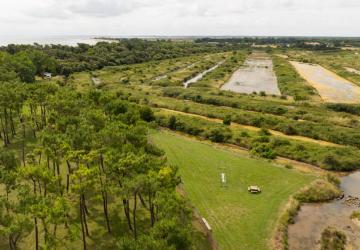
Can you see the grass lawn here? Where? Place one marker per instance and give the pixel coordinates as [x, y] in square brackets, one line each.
[239, 220]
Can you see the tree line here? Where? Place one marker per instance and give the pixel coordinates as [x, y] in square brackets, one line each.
[78, 167]
[27, 61]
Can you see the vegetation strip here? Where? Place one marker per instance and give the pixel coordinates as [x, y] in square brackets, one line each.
[273, 132]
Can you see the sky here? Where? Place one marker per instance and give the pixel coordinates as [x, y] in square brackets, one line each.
[180, 17]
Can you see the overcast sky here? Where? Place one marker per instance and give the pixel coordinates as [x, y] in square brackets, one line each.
[180, 17]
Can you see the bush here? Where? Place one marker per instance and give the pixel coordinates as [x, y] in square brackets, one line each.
[288, 166]
[172, 122]
[355, 215]
[289, 130]
[330, 160]
[319, 191]
[264, 132]
[331, 239]
[227, 120]
[147, 114]
[263, 150]
[342, 107]
[333, 179]
[219, 135]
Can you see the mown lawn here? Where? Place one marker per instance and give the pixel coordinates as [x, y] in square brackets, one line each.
[239, 220]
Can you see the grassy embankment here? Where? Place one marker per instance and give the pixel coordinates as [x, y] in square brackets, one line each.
[290, 82]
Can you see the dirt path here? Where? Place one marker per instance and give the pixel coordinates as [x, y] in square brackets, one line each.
[352, 70]
[330, 86]
[252, 128]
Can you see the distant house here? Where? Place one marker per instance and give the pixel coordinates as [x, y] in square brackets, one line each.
[313, 43]
[47, 75]
[254, 189]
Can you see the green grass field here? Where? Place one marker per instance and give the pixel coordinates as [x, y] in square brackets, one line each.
[239, 220]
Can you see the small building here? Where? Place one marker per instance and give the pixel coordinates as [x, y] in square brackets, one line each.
[254, 189]
[47, 75]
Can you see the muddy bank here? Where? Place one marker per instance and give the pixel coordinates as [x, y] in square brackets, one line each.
[312, 219]
[255, 76]
[331, 87]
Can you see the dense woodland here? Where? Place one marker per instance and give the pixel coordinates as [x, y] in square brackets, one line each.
[27, 61]
[69, 156]
[311, 43]
[77, 168]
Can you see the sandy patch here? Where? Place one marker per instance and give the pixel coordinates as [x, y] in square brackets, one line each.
[282, 56]
[330, 86]
[356, 222]
[351, 70]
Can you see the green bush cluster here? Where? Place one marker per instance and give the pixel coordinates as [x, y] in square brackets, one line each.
[290, 82]
[263, 145]
[319, 191]
[331, 239]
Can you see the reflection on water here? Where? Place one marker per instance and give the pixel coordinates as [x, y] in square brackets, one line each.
[201, 75]
[314, 218]
[63, 40]
[255, 76]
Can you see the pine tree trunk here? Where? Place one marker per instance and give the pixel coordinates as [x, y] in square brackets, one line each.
[134, 215]
[84, 215]
[82, 223]
[106, 211]
[3, 131]
[68, 176]
[104, 195]
[6, 126]
[23, 143]
[12, 126]
[151, 208]
[127, 213]
[36, 224]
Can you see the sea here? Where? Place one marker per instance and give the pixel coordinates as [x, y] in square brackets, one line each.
[47, 40]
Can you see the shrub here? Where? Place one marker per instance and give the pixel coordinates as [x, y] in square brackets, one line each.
[278, 142]
[263, 150]
[355, 215]
[219, 135]
[288, 166]
[147, 114]
[227, 120]
[331, 161]
[289, 130]
[172, 122]
[264, 132]
[333, 179]
[319, 191]
[331, 239]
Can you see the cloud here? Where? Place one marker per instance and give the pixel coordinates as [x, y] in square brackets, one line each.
[102, 8]
[65, 9]
[181, 17]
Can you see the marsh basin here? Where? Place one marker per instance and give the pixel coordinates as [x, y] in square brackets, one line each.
[312, 219]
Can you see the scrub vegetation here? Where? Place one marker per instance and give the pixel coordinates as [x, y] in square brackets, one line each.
[79, 168]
